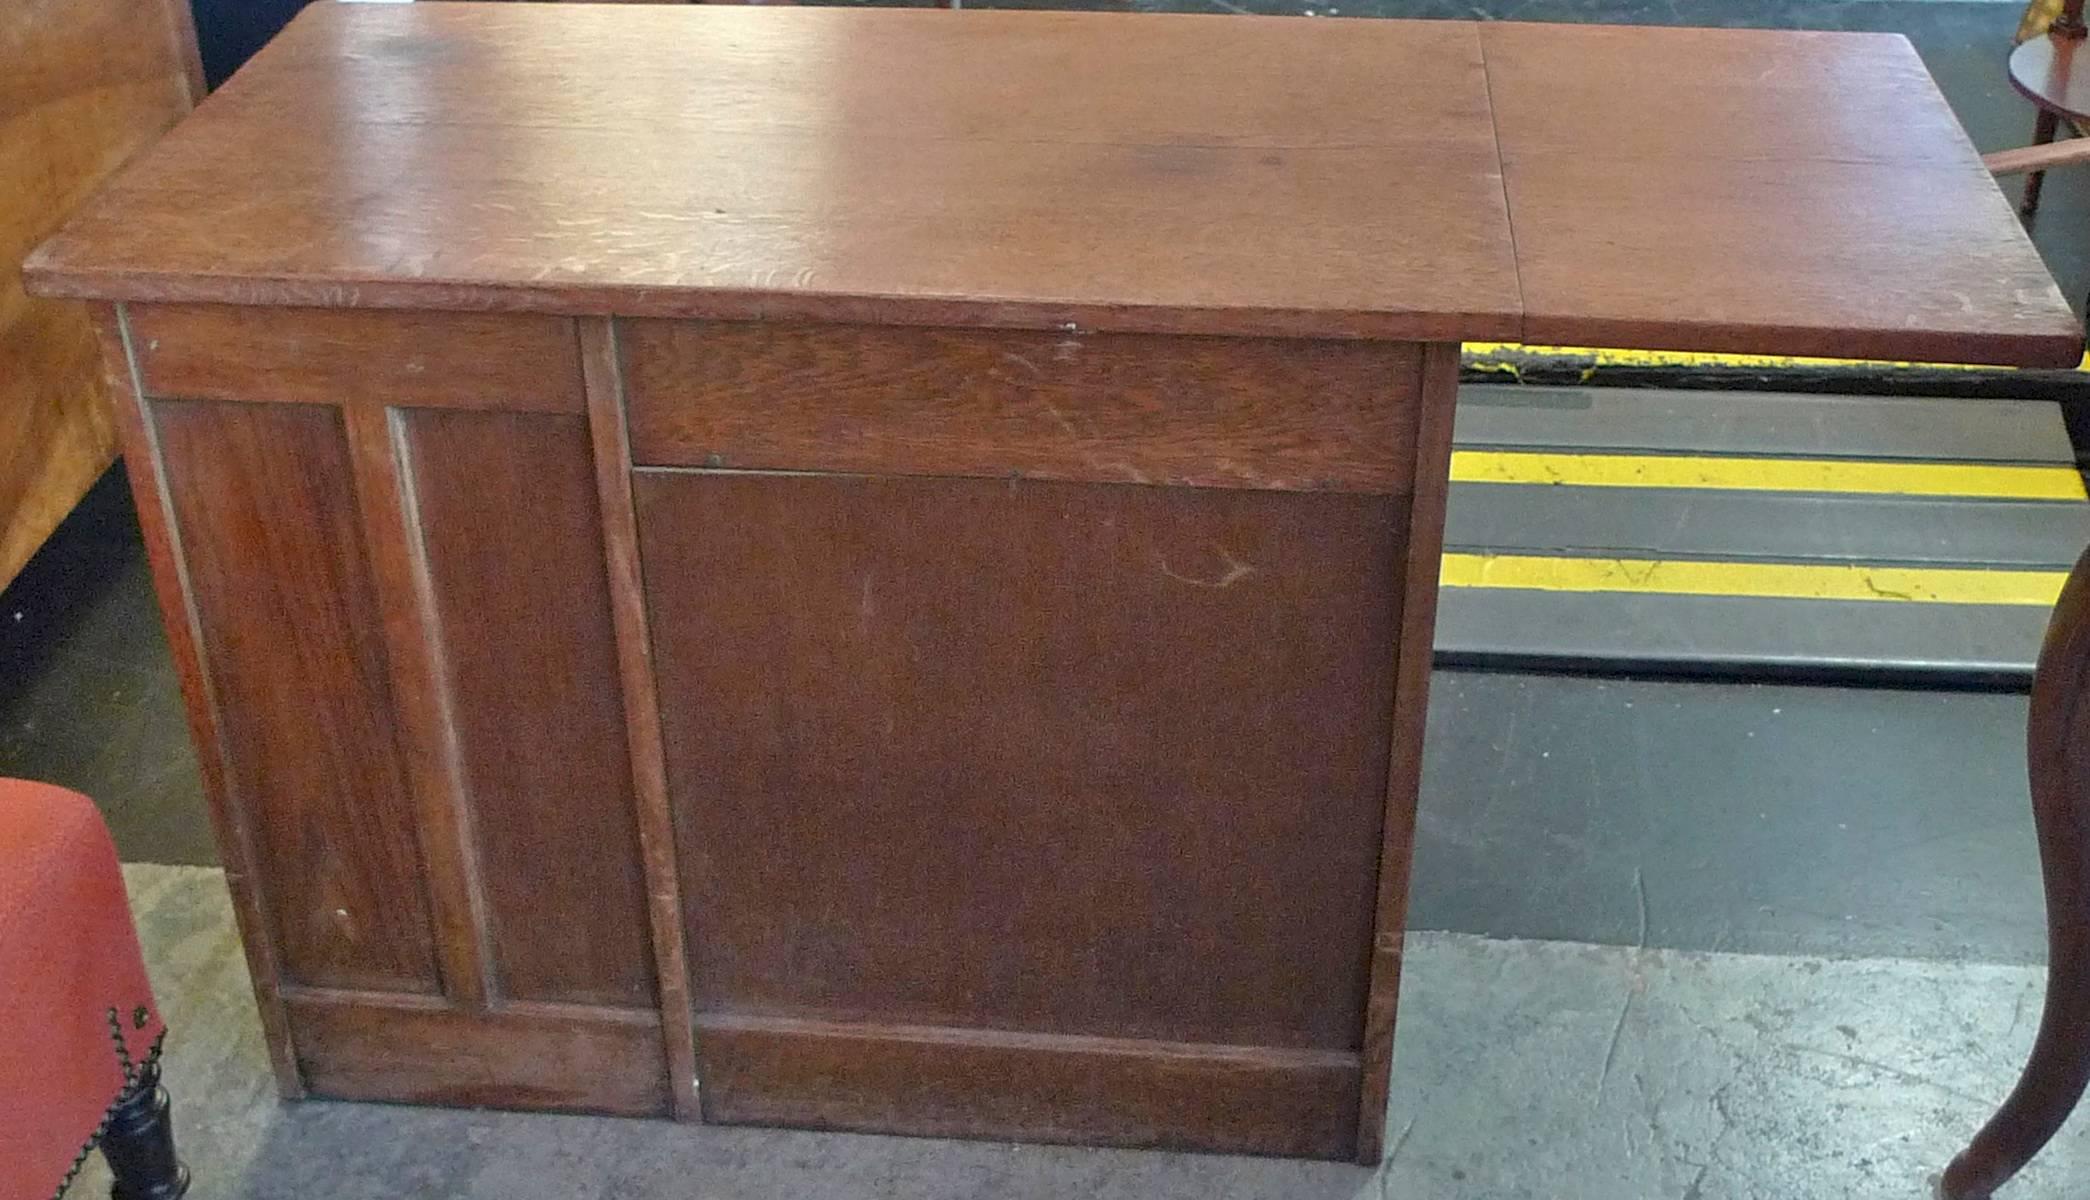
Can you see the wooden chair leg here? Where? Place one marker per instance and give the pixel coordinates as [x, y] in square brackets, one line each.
[2044, 126]
[2058, 762]
[139, 1144]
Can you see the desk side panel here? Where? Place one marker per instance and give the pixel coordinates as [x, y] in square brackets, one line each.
[387, 526]
[265, 501]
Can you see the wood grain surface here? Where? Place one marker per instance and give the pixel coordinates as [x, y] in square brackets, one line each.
[422, 715]
[1205, 412]
[1095, 760]
[941, 1082]
[642, 737]
[1416, 611]
[304, 699]
[1748, 190]
[541, 1056]
[522, 613]
[1668, 188]
[85, 85]
[1219, 174]
[322, 356]
[234, 823]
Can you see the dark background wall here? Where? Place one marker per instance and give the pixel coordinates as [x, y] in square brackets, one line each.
[230, 31]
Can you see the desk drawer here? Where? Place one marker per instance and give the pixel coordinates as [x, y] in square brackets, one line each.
[1264, 413]
[518, 362]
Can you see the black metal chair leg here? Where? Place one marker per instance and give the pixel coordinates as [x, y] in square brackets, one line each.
[139, 1144]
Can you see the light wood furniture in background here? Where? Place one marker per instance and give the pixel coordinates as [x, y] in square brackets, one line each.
[83, 85]
[758, 563]
[2043, 70]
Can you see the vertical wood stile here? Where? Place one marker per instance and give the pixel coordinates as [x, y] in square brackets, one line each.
[606, 425]
[421, 702]
[1411, 695]
[229, 819]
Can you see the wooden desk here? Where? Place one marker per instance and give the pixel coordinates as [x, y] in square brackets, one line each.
[765, 546]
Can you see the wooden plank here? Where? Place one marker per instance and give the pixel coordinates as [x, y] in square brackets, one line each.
[1226, 206]
[1415, 610]
[1646, 94]
[303, 704]
[606, 427]
[2020, 159]
[506, 517]
[86, 85]
[1037, 1087]
[1204, 412]
[1200, 186]
[232, 821]
[1793, 229]
[1151, 721]
[319, 356]
[571, 1058]
[423, 707]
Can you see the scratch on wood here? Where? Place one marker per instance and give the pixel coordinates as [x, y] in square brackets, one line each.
[1236, 571]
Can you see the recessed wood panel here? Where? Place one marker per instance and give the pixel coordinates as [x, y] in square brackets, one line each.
[508, 517]
[265, 514]
[1086, 759]
[565, 1058]
[968, 1083]
[1210, 412]
[338, 356]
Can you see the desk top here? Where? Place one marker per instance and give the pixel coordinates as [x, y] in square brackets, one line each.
[1744, 191]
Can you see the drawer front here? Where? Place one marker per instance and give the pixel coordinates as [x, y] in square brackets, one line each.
[1262, 413]
[513, 362]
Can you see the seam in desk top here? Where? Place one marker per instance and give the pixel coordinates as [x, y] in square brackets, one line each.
[1509, 213]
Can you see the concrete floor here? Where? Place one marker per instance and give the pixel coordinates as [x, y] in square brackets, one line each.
[1547, 1070]
[1687, 940]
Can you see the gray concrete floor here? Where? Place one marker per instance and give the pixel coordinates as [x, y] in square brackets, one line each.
[1547, 1070]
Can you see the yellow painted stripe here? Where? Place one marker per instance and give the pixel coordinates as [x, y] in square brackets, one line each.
[1869, 477]
[1791, 581]
[1481, 353]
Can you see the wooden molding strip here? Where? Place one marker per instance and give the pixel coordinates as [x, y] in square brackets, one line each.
[970, 1082]
[1411, 697]
[229, 819]
[421, 698]
[372, 1046]
[2022, 159]
[620, 539]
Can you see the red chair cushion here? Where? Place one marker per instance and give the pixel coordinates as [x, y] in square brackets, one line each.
[77, 1017]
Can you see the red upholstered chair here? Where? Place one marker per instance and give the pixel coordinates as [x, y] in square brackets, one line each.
[79, 1033]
